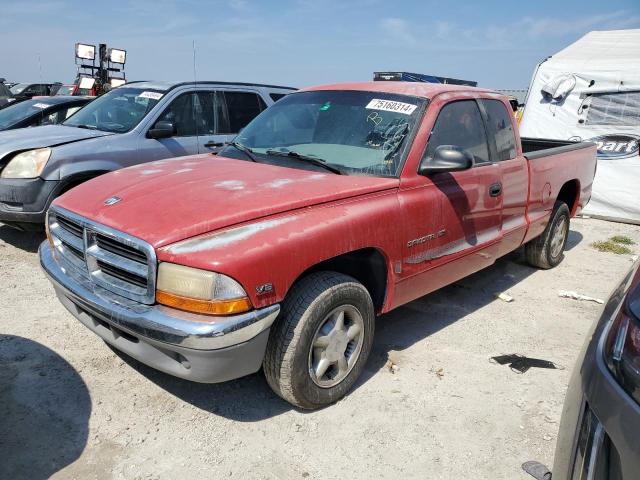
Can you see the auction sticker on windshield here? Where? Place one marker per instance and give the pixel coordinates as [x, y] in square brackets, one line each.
[151, 95]
[390, 106]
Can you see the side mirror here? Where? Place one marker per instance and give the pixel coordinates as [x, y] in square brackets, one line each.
[162, 130]
[446, 158]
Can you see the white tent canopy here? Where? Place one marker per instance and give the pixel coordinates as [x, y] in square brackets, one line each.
[591, 91]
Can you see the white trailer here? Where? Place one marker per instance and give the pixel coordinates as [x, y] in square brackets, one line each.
[591, 91]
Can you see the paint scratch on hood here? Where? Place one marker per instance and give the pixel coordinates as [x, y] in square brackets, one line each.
[280, 182]
[221, 239]
[231, 185]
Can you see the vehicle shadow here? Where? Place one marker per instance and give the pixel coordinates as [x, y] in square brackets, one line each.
[573, 239]
[250, 399]
[44, 410]
[28, 241]
[417, 320]
[247, 399]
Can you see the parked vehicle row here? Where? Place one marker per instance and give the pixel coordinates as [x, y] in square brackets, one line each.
[12, 93]
[334, 205]
[24, 91]
[132, 124]
[40, 111]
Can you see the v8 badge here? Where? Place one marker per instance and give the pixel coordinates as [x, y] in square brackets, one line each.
[264, 288]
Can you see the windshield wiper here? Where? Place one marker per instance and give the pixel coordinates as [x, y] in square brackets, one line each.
[88, 127]
[307, 158]
[246, 150]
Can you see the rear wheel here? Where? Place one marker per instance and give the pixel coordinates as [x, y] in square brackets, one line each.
[319, 345]
[547, 250]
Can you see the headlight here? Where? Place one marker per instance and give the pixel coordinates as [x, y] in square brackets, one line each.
[622, 348]
[27, 164]
[199, 291]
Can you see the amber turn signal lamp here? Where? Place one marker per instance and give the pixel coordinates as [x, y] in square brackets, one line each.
[46, 229]
[205, 307]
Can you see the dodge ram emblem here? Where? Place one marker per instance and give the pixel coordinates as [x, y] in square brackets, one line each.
[112, 200]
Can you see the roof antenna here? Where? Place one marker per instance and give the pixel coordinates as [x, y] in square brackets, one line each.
[193, 43]
[194, 98]
[39, 67]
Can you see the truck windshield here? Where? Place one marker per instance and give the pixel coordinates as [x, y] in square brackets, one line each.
[357, 132]
[118, 111]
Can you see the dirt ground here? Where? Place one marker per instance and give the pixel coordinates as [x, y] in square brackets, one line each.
[72, 408]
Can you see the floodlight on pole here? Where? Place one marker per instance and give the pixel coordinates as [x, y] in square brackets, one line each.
[116, 55]
[85, 51]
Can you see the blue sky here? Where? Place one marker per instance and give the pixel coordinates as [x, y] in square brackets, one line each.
[303, 42]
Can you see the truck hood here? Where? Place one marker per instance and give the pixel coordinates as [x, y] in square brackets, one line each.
[46, 136]
[170, 200]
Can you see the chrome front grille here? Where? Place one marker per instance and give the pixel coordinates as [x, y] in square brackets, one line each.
[118, 262]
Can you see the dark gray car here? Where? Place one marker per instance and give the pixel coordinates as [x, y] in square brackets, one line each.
[599, 435]
[40, 111]
[6, 97]
[136, 123]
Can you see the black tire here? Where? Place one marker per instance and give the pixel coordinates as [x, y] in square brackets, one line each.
[539, 252]
[304, 310]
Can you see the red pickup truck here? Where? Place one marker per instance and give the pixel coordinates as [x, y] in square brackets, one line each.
[336, 204]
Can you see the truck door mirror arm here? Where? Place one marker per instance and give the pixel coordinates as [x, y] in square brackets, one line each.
[446, 158]
[162, 129]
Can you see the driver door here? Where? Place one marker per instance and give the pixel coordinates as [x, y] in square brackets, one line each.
[454, 223]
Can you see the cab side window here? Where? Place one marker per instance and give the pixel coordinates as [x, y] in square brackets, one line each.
[55, 116]
[460, 124]
[242, 107]
[500, 129]
[50, 119]
[38, 89]
[191, 114]
[70, 111]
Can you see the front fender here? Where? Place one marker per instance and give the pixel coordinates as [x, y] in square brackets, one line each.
[278, 249]
[85, 168]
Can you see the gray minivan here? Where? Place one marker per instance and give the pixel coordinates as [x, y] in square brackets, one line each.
[135, 123]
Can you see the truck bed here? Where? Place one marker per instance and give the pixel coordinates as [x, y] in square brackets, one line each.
[533, 148]
[552, 165]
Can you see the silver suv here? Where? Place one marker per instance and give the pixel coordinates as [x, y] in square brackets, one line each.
[136, 123]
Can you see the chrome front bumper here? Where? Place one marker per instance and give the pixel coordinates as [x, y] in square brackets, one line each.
[150, 333]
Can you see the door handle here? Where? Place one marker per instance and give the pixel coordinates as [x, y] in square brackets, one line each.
[213, 144]
[495, 190]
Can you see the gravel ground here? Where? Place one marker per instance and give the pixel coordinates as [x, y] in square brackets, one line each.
[72, 408]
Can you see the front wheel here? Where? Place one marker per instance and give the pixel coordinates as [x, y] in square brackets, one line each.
[547, 250]
[319, 345]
